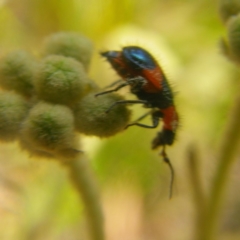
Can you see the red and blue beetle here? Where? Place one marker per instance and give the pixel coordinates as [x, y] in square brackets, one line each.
[142, 73]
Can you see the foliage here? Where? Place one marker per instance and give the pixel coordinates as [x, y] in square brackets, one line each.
[183, 35]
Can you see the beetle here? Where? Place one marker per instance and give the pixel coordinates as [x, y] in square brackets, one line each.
[140, 71]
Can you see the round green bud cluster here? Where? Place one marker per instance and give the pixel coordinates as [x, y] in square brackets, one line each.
[13, 110]
[49, 128]
[231, 46]
[61, 80]
[46, 102]
[17, 72]
[233, 32]
[230, 14]
[92, 119]
[70, 44]
[228, 8]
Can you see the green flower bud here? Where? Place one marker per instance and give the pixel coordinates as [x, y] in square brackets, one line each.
[69, 44]
[91, 117]
[13, 109]
[17, 72]
[49, 129]
[61, 80]
[228, 8]
[225, 48]
[233, 31]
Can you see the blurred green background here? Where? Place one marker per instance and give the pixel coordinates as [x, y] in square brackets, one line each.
[37, 200]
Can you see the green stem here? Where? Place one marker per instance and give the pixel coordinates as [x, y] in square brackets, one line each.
[198, 194]
[83, 179]
[225, 160]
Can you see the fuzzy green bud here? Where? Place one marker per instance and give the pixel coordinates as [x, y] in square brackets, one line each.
[69, 44]
[17, 72]
[49, 129]
[233, 32]
[13, 110]
[91, 117]
[228, 8]
[225, 48]
[61, 80]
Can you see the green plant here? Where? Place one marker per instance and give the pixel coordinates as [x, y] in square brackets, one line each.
[209, 205]
[46, 103]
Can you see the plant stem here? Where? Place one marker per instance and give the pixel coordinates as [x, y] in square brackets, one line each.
[198, 194]
[225, 160]
[84, 181]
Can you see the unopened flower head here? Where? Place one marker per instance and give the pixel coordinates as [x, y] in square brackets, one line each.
[91, 117]
[17, 72]
[69, 44]
[61, 80]
[50, 128]
[13, 110]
